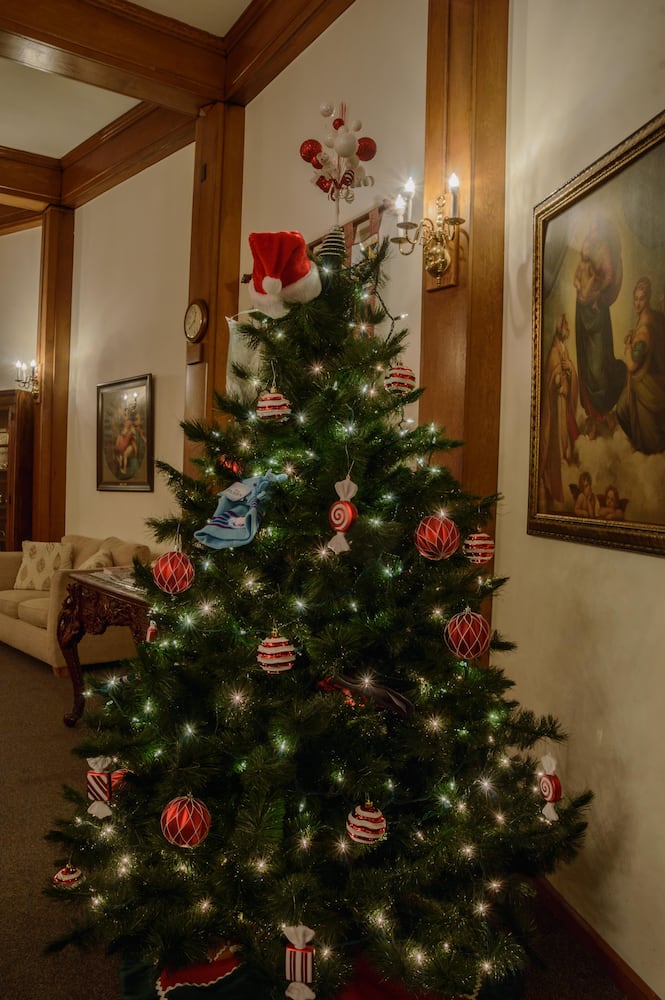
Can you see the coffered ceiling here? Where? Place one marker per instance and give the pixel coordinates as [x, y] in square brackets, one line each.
[75, 74]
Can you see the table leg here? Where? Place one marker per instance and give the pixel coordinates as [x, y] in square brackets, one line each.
[70, 632]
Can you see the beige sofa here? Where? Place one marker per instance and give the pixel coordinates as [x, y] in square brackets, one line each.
[29, 618]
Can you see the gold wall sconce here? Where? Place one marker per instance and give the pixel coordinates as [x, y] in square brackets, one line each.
[27, 377]
[439, 239]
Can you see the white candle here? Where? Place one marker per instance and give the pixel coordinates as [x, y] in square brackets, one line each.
[453, 187]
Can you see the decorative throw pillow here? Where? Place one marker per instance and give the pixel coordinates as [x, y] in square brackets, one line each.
[39, 563]
[100, 560]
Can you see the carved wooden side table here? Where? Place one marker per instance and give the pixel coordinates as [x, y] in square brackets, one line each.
[94, 602]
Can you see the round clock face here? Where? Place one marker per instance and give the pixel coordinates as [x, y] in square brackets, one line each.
[196, 320]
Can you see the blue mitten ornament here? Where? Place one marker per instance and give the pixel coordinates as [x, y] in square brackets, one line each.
[238, 514]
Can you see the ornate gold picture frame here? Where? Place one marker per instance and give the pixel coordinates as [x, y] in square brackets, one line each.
[125, 437]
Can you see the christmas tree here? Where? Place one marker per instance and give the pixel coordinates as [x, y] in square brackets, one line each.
[314, 759]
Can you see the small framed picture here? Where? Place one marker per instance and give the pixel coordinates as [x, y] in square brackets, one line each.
[125, 437]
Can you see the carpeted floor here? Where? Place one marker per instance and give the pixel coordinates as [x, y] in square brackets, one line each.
[36, 761]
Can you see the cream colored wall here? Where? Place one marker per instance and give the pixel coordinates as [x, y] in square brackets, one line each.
[587, 620]
[372, 58]
[19, 300]
[131, 277]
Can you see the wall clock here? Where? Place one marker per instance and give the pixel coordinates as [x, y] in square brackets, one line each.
[196, 320]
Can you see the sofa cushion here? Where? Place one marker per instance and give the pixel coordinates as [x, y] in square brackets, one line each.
[39, 563]
[84, 546]
[34, 612]
[123, 552]
[10, 600]
[100, 560]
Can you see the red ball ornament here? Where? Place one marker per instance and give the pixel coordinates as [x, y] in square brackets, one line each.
[479, 548]
[437, 537]
[309, 149]
[366, 824]
[366, 149]
[173, 572]
[467, 635]
[276, 654]
[337, 123]
[400, 380]
[342, 514]
[273, 406]
[550, 788]
[185, 821]
[325, 183]
[69, 877]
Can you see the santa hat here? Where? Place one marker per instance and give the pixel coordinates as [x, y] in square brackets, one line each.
[283, 273]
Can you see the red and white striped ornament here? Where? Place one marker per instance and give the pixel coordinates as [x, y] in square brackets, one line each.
[437, 537]
[69, 877]
[273, 406]
[276, 654]
[467, 635]
[550, 788]
[479, 548]
[342, 514]
[400, 380]
[173, 572]
[185, 821]
[299, 955]
[366, 824]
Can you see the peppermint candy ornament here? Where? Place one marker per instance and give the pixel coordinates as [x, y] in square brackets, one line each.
[550, 788]
[366, 824]
[400, 380]
[185, 821]
[173, 572]
[437, 537]
[478, 548]
[342, 514]
[467, 635]
[276, 654]
[273, 406]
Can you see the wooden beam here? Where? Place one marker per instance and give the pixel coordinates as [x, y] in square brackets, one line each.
[136, 140]
[268, 37]
[117, 46]
[28, 181]
[50, 446]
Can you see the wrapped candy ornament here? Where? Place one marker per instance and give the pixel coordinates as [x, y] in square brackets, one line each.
[101, 784]
[299, 954]
[342, 514]
[550, 788]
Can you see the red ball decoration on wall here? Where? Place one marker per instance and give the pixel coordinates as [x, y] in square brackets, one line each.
[467, 635]
[309, 149]
[437, 537]
[366, 149]
[479, 548]
[173, 572]
[185, 821]
[550, 788]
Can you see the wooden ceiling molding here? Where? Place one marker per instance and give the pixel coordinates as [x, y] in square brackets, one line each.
[28, 181]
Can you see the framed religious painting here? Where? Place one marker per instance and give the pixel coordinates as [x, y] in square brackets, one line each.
[597, 470]
[125, 436]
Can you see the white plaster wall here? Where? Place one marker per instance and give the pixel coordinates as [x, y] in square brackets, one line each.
[587, 620]
[373, 59]
[131, 278]
[20, 255]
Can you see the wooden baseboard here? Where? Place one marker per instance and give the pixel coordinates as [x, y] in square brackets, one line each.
[625, 978]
